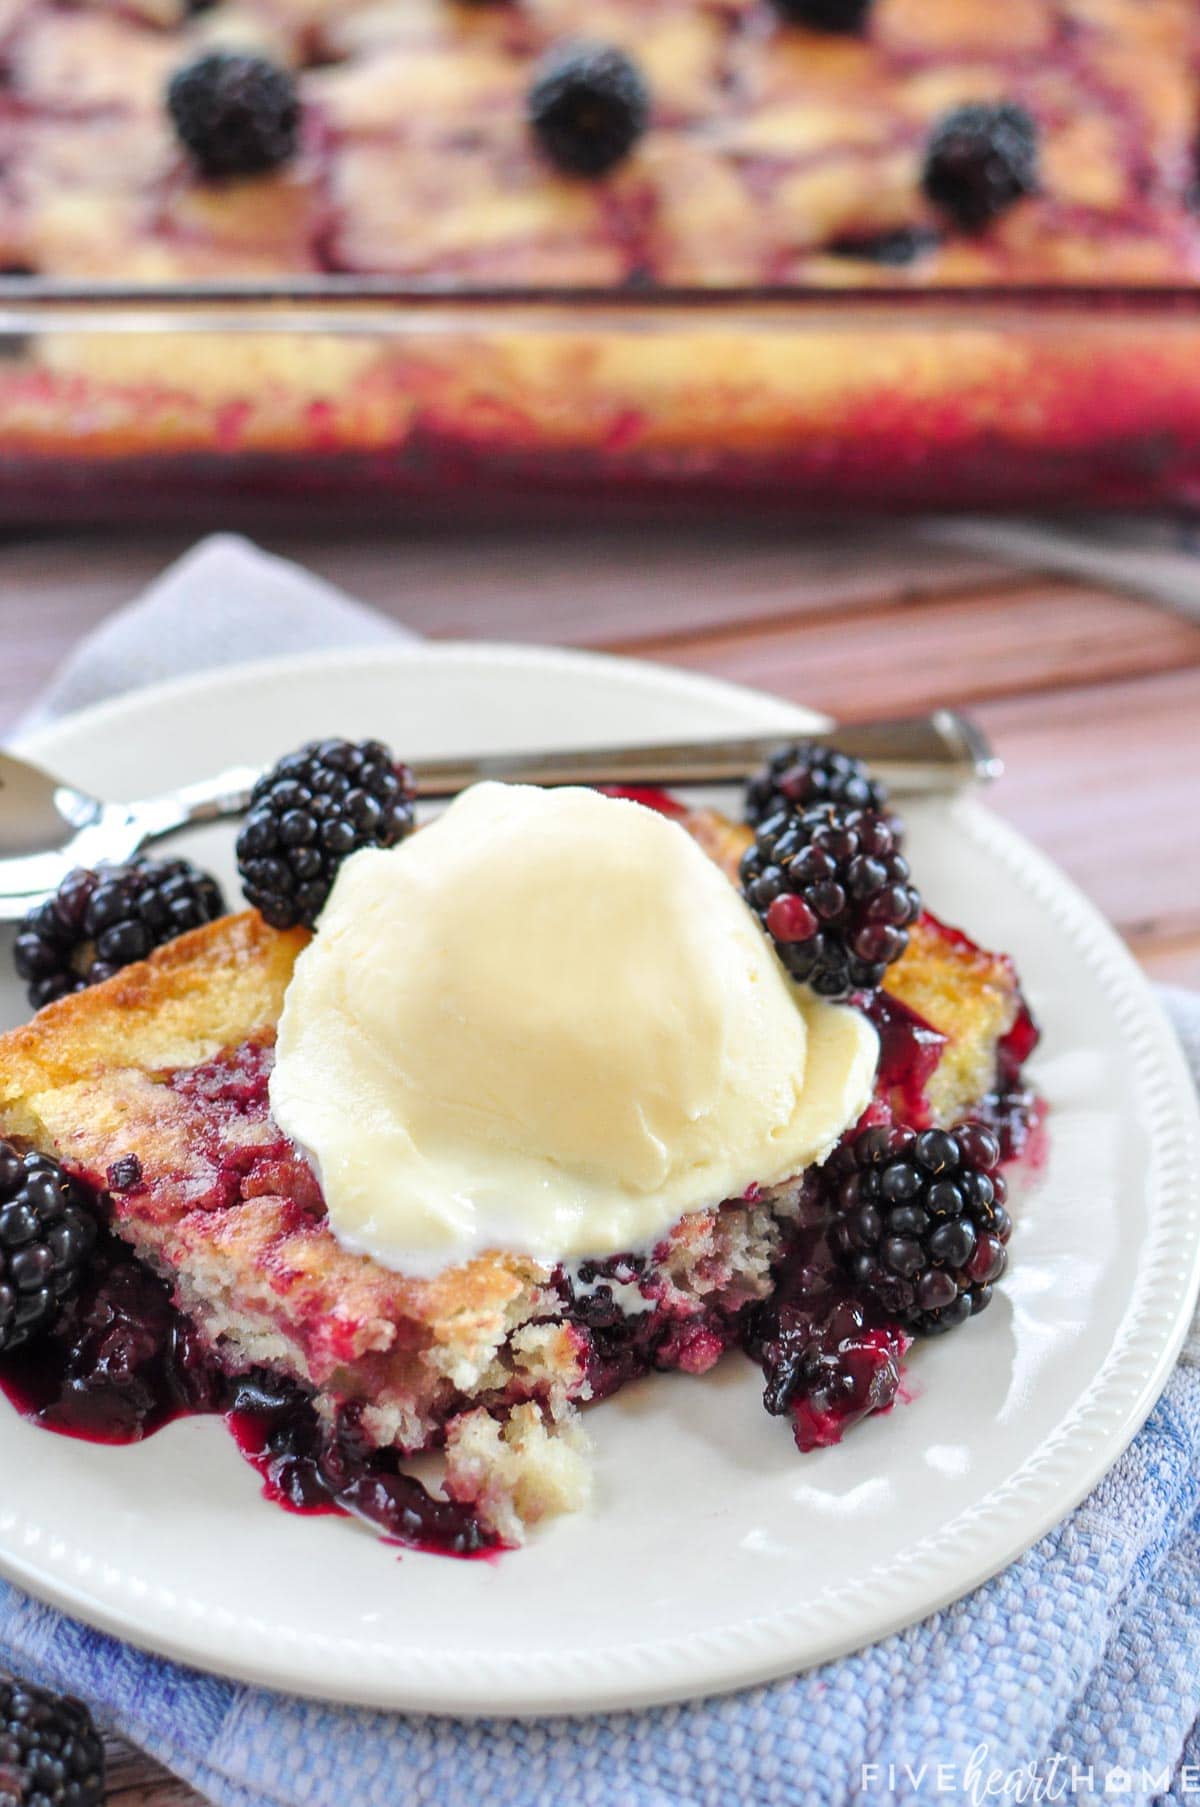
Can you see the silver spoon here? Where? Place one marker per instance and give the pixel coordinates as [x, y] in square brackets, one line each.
[48, 827]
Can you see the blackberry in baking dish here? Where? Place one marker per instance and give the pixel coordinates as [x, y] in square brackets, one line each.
[980, 160]
[588, 106]
[235, 113]
[826, 15]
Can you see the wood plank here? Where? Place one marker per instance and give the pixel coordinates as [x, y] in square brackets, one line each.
[1095, 760]
[960, 649]
[1104, 778]
[1097, 773]
[571, 588]
[134, 1780]
[1168, 959]
[601, 589]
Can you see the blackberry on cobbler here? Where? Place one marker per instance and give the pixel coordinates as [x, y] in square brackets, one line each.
[980, 160]
[919, 1221]
[104, 918]
[834, 893]
[51, 1754]
[309, 813]
[801, 774]
[46, 1238]
[588, 106]
[826, 15]
[235, 113]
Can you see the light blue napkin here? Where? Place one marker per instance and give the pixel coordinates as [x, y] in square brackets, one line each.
[1075, 1674]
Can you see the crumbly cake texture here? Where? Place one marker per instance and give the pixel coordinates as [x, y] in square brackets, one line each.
[168, 1062]
[774, 154]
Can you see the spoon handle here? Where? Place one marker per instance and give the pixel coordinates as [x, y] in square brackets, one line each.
[923, 753]
[926, 753]
[115, 832]
[210, 800]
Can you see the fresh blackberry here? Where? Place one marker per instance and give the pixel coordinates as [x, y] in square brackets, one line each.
[800, 774]
[826, 15]
[46, 1237]
[101, 919]
[833, 893]
[920, 1224]
[979, 161]
[236, 114]
[51, 1754]
[309, 813]
[588, 106]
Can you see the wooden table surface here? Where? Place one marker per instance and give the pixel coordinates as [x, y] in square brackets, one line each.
[1091, 697]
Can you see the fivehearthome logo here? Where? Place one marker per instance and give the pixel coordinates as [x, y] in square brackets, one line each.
[980, 1781]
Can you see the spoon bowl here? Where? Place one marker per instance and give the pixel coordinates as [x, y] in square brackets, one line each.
[39, 813]
[48, 828]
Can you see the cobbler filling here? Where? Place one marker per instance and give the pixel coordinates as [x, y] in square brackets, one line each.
[829, 1360]
[909, 1051]
[122, 1362]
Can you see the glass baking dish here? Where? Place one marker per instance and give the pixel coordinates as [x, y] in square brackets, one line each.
[399, 403]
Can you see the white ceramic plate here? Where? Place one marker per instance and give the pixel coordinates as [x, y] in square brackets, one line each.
[714, 1554]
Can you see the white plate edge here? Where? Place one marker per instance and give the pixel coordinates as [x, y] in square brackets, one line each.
[1153, 1043]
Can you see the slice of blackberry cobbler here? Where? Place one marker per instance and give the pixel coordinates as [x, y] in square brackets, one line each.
[226, 1277]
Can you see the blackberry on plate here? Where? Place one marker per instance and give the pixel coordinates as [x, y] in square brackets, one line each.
[920, 1224]
[802, 773]
[834, 894]
[235, 113]
[101, 919]
[829, 1373]
[980, 160]
[46, 1237]
[826, 15]
[51, 1754]
[309, 813]
[588, 106]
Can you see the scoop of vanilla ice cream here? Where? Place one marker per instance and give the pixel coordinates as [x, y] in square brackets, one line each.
[548, 1024]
